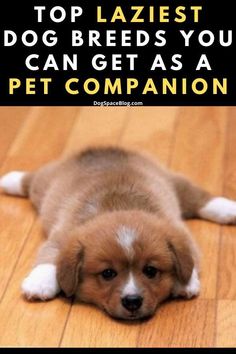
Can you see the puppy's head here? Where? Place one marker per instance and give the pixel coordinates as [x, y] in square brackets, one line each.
[125, 262]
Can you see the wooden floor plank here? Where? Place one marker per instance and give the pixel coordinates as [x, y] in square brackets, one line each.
[180, 323]
[76, 333]
[11, 121]
[89, 327]
[200, 145]
[42, 138]
[227, 264]
[226, 324]
[16, 220]
[230, 156]
[227, 260]
[97, 126]
[150, 129]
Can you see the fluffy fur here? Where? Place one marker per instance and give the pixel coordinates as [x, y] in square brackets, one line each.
[115, 232]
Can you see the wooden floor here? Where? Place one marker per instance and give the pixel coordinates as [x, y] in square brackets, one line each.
[200, 142]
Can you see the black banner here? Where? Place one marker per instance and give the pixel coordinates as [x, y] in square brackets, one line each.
[118, 52]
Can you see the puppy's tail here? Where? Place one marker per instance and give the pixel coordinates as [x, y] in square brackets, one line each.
[16, 183]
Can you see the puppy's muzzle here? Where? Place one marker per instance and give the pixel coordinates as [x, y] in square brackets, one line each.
[132, 302]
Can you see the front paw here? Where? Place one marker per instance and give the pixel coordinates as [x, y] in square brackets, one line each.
[189, 290]
[41, 283]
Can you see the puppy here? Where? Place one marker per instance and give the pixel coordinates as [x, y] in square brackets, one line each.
[115, 235]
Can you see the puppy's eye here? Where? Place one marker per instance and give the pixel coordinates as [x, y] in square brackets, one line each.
[108, 274]
[150, 271]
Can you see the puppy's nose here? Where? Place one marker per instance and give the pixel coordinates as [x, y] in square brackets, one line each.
[132, 302]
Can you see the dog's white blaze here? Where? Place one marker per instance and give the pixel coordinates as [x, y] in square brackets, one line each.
[11, 183]
[41, 283]
[219, 209]
[130, 287]
[189, 290]
[126, 237]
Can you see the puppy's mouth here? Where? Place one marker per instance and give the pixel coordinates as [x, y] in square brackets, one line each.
[132, 316]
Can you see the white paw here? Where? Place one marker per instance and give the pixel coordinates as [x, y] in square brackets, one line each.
[221, 210]
[41, 283]
[191, 289]
[11, 183]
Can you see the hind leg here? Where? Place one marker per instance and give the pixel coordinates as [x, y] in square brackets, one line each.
[33, 185]
[198, 203]
[16, 183]
[219, 209]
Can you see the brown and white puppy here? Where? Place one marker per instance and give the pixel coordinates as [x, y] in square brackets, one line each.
[115, 235]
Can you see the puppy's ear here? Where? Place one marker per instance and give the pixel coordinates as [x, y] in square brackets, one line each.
[182, 254]
[69, 264]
